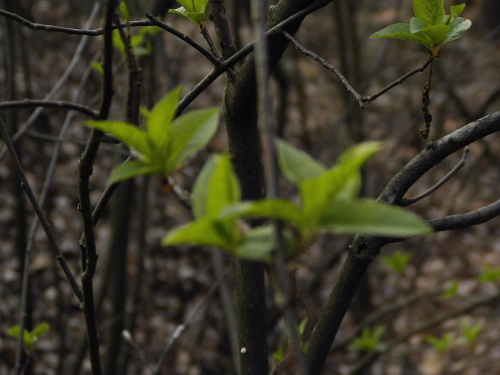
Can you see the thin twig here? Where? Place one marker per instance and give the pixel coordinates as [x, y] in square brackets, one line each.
[211, 57]
[45, 224]
[66, 30]
[227, 64]
[420, 69]
[327, 65]
[26, 103]
[60, 82]
[182, 327]
[456, 168]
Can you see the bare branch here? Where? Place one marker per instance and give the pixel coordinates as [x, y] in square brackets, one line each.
[406, 202]
[327, 65]
[211, 57]
[66, 30]
[27, 103]
[45, 224]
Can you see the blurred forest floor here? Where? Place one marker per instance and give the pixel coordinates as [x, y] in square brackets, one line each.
[320, 119]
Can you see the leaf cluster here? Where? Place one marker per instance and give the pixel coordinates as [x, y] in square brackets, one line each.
[194, 10]
[329, 202]
[30, 338]
[430, 27]
[166, 142]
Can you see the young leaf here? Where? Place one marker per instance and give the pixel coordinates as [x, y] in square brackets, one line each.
[469, 333]
[97, 66]
[296, 165]
[129, 134]
[158, 122]
[373, 218]
[401, 31]
[206, 231]
[279, 209]
[223, 187]
[132, 168]
[441, 344]
[489, 274]
[118, 43]
[124, 12]
[201, 187]
[256, 244]
[430, 12]
[340, 183]
[457, 29]
[396, 261]
[190, 133]
[436, 33]
[369, 341]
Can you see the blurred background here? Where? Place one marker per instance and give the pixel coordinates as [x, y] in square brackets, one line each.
[159, 288]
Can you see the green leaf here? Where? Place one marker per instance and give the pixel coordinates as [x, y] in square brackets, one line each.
[201, 187]
[436, 34]
[397, 261]
[430, 12]
[452, 290]
[257, 244]
[373, 218]
[158, 122]
[40, 330]
[132, 168]
[97, 66]
[457, 29]
[206, 231]
[342, 182]
[190, 133]
[416, 25]
[131, 135]
[369, 341]
[489, 274]
[401, 31]
[469, 333]
[124, 12]
[118, 43]
[223, 187]
[279, 209]
[29, 338]
[194, 5]
[296, 165]
[441, 344]
[455, 11]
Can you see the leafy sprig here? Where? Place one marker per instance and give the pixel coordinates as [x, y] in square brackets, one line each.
[165, 143]
[430, 27]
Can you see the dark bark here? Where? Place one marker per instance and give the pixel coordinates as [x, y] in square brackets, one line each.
[240, 108]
